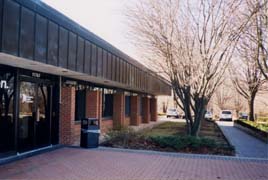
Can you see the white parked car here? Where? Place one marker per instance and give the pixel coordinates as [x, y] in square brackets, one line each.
[208, 115]
[226, 115]
[172, 112]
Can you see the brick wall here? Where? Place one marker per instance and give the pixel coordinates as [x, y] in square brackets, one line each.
[76, 134]
[93, 103]
[118, 110]
[94, 110]
[146, 110]
[134, 113]
[153, 104]
[67, 113]
[70, 130]
[127, 121]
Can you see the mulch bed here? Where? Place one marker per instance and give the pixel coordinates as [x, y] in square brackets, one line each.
[142, 142]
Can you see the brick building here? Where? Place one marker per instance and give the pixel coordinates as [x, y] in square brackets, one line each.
[54, 72]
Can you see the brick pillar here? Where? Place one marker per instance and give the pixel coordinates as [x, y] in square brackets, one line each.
[146, 110]
[135, 118]
[94, 105]
[153, 109]
[118, 110]
[67, 113]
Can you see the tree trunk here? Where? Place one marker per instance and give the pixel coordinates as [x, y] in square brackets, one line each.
[200, 109]
[237, 114]
[196, 128]
[251, 108]
[188, 122]
[197, 122]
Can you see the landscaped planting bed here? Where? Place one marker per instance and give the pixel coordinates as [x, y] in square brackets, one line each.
[263, 119]
[258, 130]
[171, 137]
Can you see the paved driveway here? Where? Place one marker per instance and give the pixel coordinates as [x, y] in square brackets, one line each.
[74, 163]
[245, 145]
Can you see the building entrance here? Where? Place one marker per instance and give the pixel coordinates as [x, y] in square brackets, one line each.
[34, 115]
[29, 110]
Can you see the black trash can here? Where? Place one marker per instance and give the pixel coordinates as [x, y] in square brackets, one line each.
[90, 133]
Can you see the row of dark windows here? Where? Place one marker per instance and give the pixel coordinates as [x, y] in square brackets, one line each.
[32, 36]
[107, 104]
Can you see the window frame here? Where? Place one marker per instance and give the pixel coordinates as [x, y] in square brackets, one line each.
[104, 93]
[82, 105]
[127, 105]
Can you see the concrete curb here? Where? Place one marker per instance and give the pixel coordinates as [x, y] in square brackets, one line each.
[184, 155]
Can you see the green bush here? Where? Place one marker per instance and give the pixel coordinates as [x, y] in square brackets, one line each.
[182, 142]
[263, 119]
[125, 136]
[262, 127]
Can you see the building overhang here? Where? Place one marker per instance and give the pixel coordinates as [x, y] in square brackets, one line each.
[18, 62]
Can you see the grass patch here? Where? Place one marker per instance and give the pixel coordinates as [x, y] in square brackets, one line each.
[166, 129]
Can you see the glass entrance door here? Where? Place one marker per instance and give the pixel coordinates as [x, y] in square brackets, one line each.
[43, 116]
[7, 124]
[34, 115]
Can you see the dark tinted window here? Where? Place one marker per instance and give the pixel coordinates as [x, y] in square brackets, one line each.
[107, 103]
[10, 26]
[127, 105]
[6, 111]
[80, 104]
[40, 38]
[27, 33]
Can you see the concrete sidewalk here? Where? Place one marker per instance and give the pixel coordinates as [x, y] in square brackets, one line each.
[111, 164]
[245, 145]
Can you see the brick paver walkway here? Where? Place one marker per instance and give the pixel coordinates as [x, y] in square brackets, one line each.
[245, 145]
[74, 163]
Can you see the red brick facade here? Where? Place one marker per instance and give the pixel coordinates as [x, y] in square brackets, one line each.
[135, 111]
[127, 121]
[93, 100]
[67, 113]
[70, 130]
[119, 110]
[153, 106]
[146, 116]
[94, 105]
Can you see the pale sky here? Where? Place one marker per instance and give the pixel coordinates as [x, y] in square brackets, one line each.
[104, 18]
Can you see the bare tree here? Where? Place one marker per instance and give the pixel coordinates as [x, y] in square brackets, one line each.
[164, 106]
[257, 31]
[248, 70]
[261, 24]
[246, 76]
[191, 44]
[223, 97]
[238, 104]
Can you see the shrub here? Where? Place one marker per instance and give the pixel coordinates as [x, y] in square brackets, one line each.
[124, 136]
[261, 127]
[263, 119]
[182, 142]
